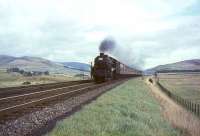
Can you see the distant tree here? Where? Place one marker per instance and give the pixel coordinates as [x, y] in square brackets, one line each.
[9, 70]
[13, 70]
[46, 73]
[21, 72]
[27, 73]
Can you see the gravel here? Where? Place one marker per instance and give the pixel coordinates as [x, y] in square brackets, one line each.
[41, 121]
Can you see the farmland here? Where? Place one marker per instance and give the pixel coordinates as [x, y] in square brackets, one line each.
[185, 85]
[129, 109]
[16, 79]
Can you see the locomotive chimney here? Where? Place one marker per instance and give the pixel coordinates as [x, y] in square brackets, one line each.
[101, 54]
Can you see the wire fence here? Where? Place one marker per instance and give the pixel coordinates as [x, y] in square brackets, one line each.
[188, 104]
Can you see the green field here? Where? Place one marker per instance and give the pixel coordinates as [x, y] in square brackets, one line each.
[15, 79]
[128, 110]
[185, 85]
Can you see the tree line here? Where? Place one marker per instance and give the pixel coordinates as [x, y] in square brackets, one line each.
[27, 73]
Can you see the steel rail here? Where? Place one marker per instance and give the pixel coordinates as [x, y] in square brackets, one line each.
[42, 99]
[38, 92]
[41, 85]
[11, 91]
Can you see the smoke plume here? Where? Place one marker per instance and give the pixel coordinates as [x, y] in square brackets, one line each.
[107, 45]
[124, 54]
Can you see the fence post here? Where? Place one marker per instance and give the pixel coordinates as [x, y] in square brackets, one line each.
[184, 103]
[187, 104]
[192, 107]
[177, 98]
[198, 110]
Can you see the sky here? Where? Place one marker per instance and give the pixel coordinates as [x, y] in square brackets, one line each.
[147, 32]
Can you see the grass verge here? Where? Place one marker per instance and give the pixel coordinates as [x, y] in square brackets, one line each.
[177, 115]
[128, 110]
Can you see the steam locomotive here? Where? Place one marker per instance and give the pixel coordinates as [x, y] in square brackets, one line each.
[107, 68]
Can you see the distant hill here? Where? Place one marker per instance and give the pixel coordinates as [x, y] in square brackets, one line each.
[4, 59]
[187, 65]
[77, 66]
[38, 64]
[29, 63]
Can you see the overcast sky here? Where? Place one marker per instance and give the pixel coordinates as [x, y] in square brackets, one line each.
[151, 32]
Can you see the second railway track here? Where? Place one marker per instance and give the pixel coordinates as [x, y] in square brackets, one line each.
[10, 91]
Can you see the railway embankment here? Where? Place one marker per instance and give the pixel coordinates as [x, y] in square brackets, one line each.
[175, 113]
[129, 109]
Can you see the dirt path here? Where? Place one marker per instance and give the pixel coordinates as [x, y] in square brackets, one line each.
[174, 113]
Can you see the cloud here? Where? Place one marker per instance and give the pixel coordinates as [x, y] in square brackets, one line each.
[150, 32]
[172, 45]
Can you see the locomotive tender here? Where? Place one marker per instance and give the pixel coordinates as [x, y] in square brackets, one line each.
[107, 68]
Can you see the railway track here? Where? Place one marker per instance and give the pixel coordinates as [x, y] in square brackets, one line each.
[30, 99]
[10, 91]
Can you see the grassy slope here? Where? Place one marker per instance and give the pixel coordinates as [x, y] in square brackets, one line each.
[186, 86]
[127, 110]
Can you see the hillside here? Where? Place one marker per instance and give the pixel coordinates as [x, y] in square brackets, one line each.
[4, 59]
[29, 63]
[187, 65]
[38, 64]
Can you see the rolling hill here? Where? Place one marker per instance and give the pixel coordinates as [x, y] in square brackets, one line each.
[39, 64]
[186, 65]
[4, 59]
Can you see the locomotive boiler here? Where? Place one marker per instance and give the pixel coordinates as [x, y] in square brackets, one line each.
[108, 68]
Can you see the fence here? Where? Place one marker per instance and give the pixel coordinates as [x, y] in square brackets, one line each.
[191, 106]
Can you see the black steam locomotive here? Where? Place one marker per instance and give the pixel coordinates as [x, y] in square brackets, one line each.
[107, 68]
